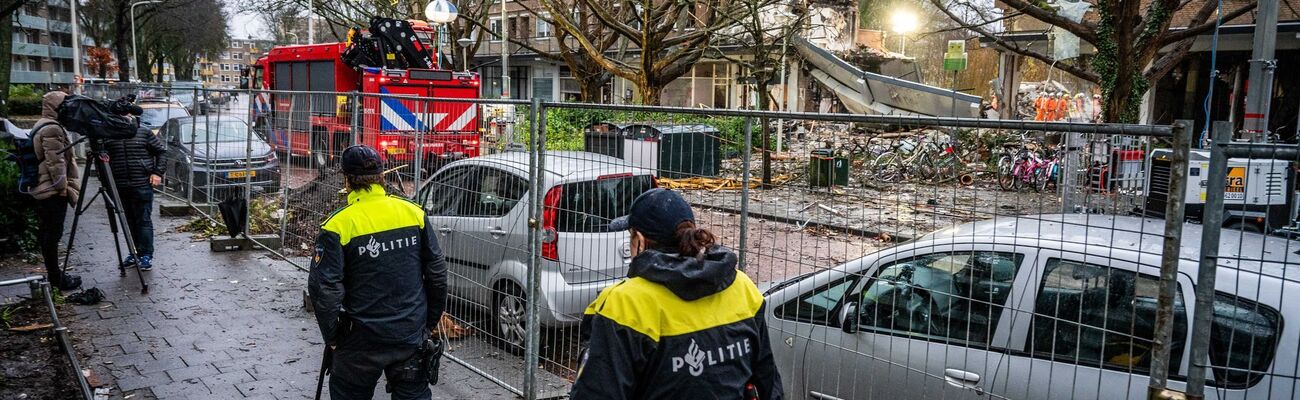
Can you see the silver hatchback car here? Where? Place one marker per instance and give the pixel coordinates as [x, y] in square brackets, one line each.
[1037, 307]
[479, 207]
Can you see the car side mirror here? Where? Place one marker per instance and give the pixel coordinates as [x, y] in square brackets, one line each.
[849, 317]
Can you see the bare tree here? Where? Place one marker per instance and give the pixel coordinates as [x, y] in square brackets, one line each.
[666, 37]
[1135, 46]
[590, 75]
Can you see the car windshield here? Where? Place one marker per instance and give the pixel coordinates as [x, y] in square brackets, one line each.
[155, 117]
[227, 131]
[184, 97]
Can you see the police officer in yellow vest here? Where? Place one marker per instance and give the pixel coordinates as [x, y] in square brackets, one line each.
[686, 324]
[378, 284]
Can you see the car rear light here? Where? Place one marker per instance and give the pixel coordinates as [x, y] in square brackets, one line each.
[550, 212]
[654, 181]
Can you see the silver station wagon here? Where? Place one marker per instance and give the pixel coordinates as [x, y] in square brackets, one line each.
[1035, 307]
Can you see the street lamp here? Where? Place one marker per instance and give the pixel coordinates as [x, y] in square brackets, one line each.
[903, 22]
[440, 13]
[295, 37]
[464, 51]
[135, 70]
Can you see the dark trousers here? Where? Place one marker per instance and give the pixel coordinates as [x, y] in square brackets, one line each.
[137, 203]
[357, 367]
[50, 213]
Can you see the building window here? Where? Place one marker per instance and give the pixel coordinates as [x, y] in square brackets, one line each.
[543, 27]
[495, 25]
[239, 56]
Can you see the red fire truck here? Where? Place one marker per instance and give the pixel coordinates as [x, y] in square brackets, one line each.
[320, 125]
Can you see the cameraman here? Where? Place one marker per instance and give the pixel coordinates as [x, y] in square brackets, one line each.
[137, 165]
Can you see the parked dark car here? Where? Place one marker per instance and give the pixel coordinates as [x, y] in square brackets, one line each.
[216, 151]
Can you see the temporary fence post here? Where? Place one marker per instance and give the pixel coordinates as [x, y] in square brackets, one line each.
[744, 190]
[1173, 233]
[189, 182]
[248, 174]
[537, 132]
[425, 123]
[1211, 227]
[287, 168]
[356, 115]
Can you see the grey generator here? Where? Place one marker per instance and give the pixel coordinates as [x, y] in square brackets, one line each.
[1259, 197]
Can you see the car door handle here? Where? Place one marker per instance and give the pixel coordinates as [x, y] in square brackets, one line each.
[498, 232]
[962, 379]
[446, 230]
[822, 396]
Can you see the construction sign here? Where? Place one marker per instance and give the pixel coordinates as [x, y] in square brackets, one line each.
[1236, 187]
[955, 58]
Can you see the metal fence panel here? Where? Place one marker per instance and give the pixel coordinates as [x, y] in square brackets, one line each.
[901, 257]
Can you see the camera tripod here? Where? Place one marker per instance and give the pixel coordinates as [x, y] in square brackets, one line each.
[112, 202]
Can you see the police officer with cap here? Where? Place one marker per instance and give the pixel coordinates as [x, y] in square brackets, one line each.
[686, 324]
[378, 284]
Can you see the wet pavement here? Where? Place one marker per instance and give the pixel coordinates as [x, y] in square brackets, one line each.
[213, 325]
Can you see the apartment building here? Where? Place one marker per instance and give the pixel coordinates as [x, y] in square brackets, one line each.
[42, 45]
[224, 70]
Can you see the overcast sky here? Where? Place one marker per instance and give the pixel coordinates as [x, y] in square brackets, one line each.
[244, 24]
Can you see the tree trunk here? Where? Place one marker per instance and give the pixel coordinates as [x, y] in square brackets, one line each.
[6, 61]
[590, 87]
[651, 92]
[122, 40]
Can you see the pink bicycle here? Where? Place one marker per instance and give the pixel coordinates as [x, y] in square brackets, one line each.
[1027, 168]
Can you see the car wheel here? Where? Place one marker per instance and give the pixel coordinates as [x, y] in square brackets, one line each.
[509, 314]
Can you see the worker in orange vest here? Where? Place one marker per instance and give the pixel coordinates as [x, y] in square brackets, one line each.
[1062, 108]
[1040, 107]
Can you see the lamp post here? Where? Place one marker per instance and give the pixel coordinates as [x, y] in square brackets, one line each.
[440, 13]
[295, 37]
[135, 70]
[464, 52]
[903, 22]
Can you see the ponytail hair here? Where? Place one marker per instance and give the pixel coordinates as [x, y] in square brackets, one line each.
[693, 241]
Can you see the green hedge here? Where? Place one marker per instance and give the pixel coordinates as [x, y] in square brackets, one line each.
[17, 221]
[24, 100]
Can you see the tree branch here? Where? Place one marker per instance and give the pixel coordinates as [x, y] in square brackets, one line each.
[1084, 32]
[1069, 68]
[1175, 36]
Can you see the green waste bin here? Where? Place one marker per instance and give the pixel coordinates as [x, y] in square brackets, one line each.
[825, 169]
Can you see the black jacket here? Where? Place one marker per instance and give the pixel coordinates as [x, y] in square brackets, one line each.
[678, 328]
[134, 159]
[377, 261]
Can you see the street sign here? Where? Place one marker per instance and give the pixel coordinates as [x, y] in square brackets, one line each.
[955, 58]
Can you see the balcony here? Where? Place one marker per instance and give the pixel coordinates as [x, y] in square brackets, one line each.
[60, 52]
[61, 77]
[33, 22]
[60, 26]
[29, 77]
[33, 50]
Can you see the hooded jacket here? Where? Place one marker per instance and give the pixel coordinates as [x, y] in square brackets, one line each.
[58, 171]
[678, 328]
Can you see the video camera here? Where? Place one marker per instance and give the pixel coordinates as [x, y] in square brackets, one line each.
[100, 119]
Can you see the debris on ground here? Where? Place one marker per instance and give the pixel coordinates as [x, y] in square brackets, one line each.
[32, 364]
[716, 184]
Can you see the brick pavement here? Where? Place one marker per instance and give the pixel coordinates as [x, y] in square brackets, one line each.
[213, 326]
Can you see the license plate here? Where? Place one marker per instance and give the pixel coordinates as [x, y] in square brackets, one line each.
[396, 150]
[241, 174]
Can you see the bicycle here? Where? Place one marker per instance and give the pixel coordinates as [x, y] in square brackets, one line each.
[1025, 168]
